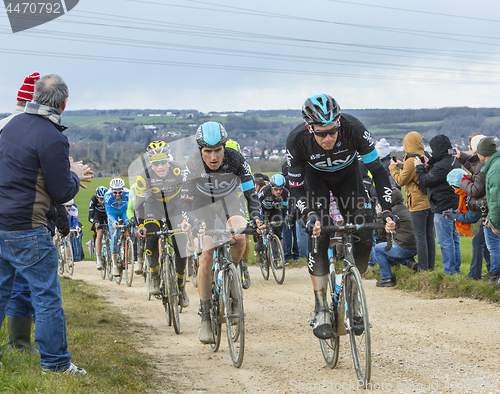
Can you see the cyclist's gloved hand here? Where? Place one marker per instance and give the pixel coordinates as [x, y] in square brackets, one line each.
[311, 221]
[289, 219]
[388, 214]
[133, 222]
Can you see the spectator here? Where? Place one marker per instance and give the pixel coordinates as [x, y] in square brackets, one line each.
[474, 186]
[76, 230]
[432, 174]
[405, 247]
[258, 178]
[35, 172]
[20, 311]
[416, 200]
[488, 154]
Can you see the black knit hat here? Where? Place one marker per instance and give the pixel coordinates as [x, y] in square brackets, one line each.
[486, 147]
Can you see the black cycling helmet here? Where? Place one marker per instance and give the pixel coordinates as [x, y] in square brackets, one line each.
[210, 135]
[101, 191]
[320, 110]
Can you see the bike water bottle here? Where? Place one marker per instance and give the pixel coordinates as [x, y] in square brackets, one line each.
[219, 278]
[338, 285]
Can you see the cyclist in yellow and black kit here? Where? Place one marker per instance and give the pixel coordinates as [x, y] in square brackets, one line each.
[158, 198]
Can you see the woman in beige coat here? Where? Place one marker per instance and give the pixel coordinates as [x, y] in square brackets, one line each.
[416, 200]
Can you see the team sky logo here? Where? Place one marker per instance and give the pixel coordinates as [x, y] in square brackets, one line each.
[25, 14]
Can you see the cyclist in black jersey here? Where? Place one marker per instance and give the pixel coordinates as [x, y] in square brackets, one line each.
[215, 175]
[321, 153]
[274, 200]
[97, 216]
[158, 193]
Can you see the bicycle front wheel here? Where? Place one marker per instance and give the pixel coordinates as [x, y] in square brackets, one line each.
[173, 292]
[215, 309]
[70, 264]
[105, 262]
[235, 319]
[129, 262]
[264, 262]
[121, 259]
[60, 256]
[330, 347]
[358, 325]
[277, 259]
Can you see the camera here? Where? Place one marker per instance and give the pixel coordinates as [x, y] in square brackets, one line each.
[422, 159]
[451, 151]
[394, 158]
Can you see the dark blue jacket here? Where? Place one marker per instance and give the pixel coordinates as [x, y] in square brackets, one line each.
[34, 173]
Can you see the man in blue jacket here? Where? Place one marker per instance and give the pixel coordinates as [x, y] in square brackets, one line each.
[35, 173]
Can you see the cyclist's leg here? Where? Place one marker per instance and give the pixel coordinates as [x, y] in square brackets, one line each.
[114, 249]
[152, 251]
[204, 280]
[318, 263]
[180, 242]
[237, 248]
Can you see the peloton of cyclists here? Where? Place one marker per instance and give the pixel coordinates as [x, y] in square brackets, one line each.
[214, 177]
[97, 216]
[158, 193]
[116, 203]
[321, 153]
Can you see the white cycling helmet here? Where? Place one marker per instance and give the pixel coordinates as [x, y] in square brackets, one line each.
[69, 203]
[117, 184]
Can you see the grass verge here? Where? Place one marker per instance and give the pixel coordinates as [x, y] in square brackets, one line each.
[100, 340]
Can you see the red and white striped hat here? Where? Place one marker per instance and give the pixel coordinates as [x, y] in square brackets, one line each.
[27, 91]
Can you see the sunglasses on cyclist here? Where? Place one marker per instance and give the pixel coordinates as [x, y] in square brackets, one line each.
[322, 134]
[159, 162]
[277, 188]
[118, 192]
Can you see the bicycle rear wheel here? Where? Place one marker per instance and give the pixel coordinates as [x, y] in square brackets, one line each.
[70, 264]
[277, 259]
[358, 325]
[235, 319]
[330, 347]
[173, 292]
[193, 262]
[129, 262]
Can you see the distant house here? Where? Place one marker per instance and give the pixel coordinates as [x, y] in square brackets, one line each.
[149, 127]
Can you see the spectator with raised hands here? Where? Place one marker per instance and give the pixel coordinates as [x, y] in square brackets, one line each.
[474, 186]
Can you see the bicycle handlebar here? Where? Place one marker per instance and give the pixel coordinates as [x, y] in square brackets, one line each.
[350, 228]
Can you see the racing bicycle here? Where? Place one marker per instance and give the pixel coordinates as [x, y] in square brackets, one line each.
[227, 295]
[272, 253]
[348, 306]
[125, 254]
[64, 254]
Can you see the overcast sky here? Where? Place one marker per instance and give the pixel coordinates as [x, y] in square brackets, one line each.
[220, 55]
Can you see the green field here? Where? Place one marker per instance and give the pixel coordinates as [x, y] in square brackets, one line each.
[86, 121]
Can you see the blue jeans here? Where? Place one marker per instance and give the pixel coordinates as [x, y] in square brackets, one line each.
[493, 243]
[437, 227]
[32, 253]
[302, 238]
[423, 227]
[397, 255]
[373, 257]
[450, 246]
[479, 250]
[20, 304]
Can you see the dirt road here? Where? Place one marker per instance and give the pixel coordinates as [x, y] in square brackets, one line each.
[418, 345]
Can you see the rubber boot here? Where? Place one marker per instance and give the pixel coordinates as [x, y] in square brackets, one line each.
[116, 268]
[245, 275]
[205, 334]
[19, 334]
[322, 322]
